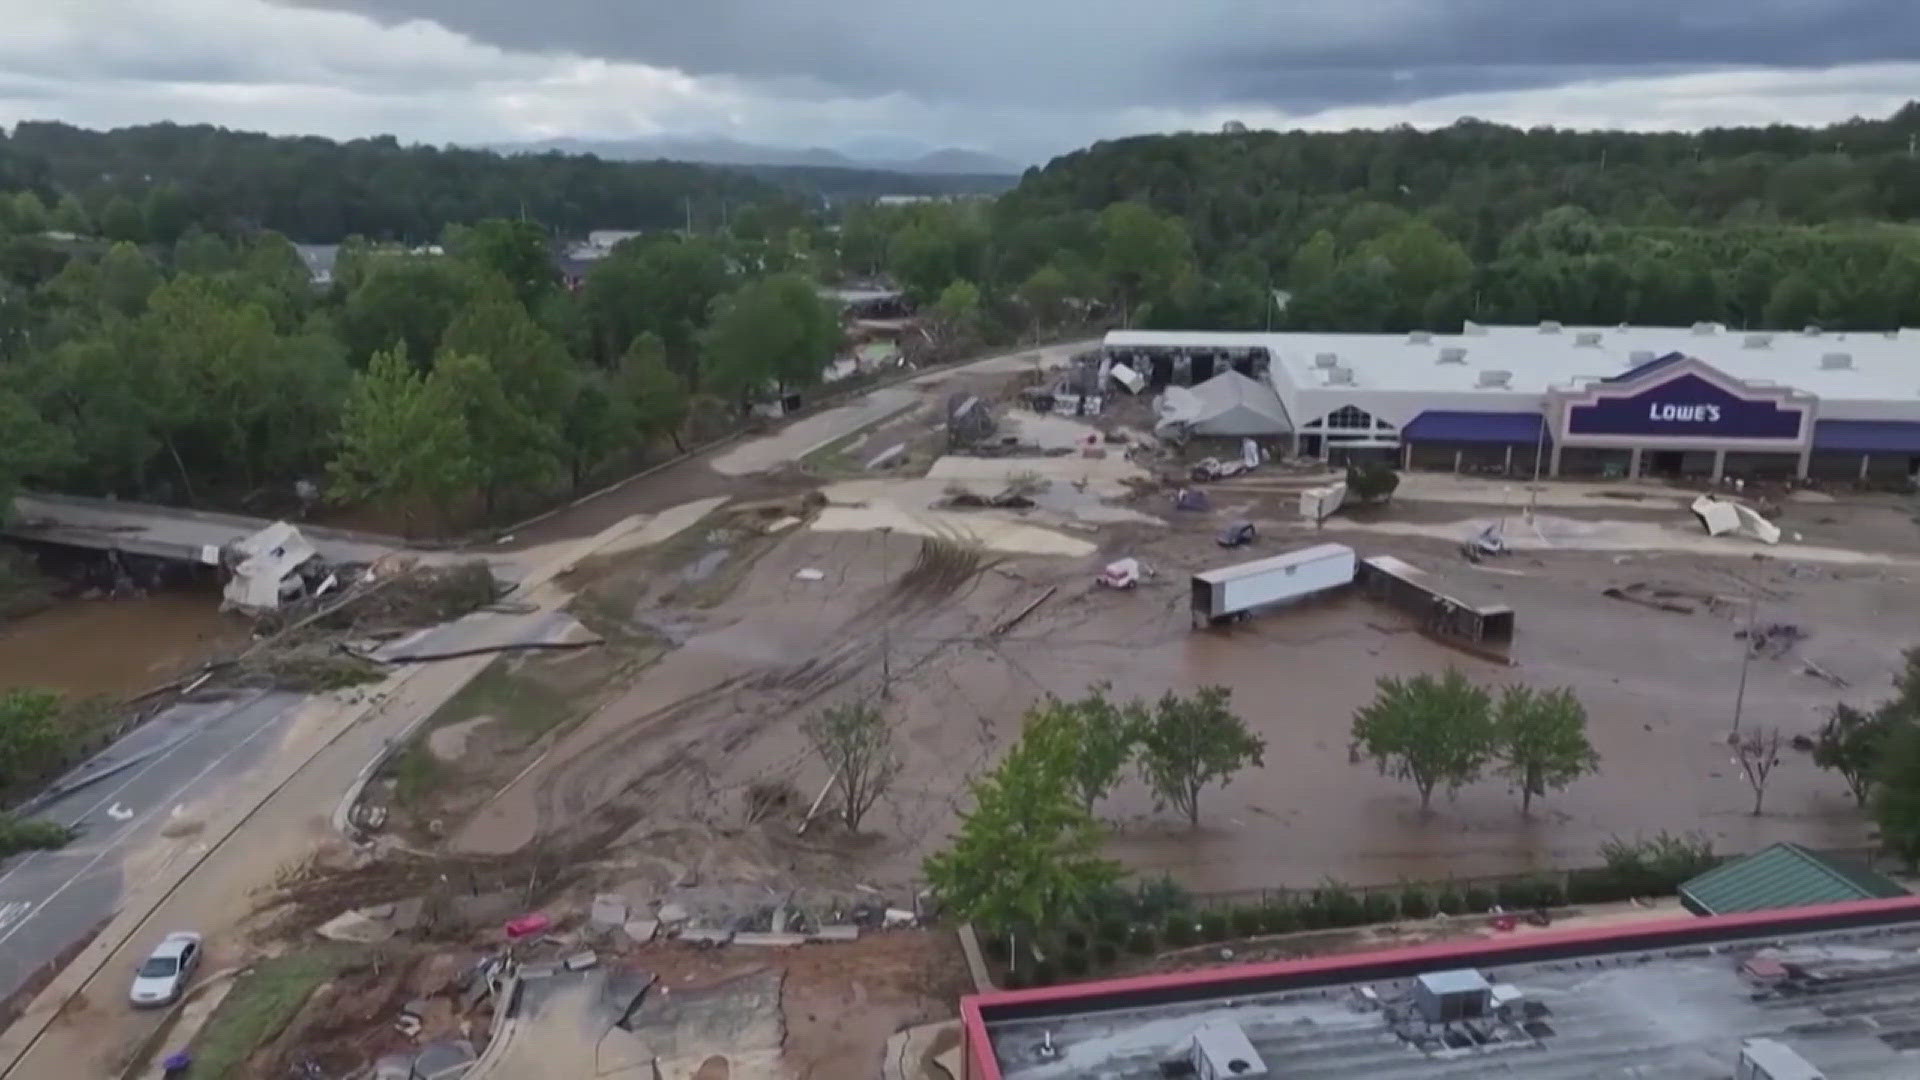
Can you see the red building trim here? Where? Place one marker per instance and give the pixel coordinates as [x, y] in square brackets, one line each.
[976, 1008]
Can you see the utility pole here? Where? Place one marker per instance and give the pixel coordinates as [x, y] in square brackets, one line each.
[886, 622]
[689, 201]
[1746, 660]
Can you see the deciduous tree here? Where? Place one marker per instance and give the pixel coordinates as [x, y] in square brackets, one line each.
[653, 395]
[1758, 753]
[1098, 737]
[403, 437]
[1852, 742]
[1186, 744]
[855, 743]
[775, 333]
[1433, 732]
[1896, 793]
[1541, 741]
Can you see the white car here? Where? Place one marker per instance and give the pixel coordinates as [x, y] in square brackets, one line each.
[164, 974]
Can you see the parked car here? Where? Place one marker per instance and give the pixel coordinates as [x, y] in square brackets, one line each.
[1238, 534]
[166, 971]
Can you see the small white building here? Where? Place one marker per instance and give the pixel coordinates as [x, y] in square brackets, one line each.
[1605, 401]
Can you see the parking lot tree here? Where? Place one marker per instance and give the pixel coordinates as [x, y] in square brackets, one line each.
[1541, 741]
[1026, 855]
[653, 394]
[1758, 752]
[1433, 732]
[1851, 743]
[1099, 737]
[1187, 743]
[1895, 800]
[855, 743]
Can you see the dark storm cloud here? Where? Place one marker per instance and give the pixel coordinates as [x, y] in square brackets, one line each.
[1293, 54]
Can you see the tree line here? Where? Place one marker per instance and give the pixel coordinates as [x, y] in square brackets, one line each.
[1391, 230]
[154, 182]
[454, 387]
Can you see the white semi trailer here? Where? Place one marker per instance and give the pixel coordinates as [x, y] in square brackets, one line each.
[1232, 591]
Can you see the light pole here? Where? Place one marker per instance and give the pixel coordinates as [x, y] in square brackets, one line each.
[1746, 660]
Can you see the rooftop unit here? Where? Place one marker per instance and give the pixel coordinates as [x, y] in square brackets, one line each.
[1453, 354]
[1705, 329]
[1326, 360]
[1550, 326]
[1587, 339]
[1445, 996]
[1494, 378]
[1770, 1059]
[1836, 361]
[1221, 1051]
[1811, 331]
[1339, 376]
[1419, 337]
[1639, 356]
[1757, 341]
[1469, 328]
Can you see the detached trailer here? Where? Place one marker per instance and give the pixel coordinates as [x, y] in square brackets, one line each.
[1233, 591]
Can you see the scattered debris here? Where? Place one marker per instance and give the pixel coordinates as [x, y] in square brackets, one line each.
[1819, 672]
[527, 925]
[809, 573]
[769, 939]
[1721, 516]
[1191, 499]
[581, 961]
[1490, 541]
[899, 917]
[1215, 469]
[641, 931]
[887, 458]
[1127, 377]
[1664, 597]
[1021, 615]
[268, 569]
[486, 632]
[1317, 504]
[783, 524]
[1237, 534]
[609, 910]
[1773, 640]
[969, 420]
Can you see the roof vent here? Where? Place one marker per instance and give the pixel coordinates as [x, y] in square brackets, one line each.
[1587, 339]
[1705, 329]
[1419, 337]
[1639, 356]
[1758, 341]
[1811, 330]
[1220, 1050]
[1326, 360]
[1339, 376]
[1549, 326]
[1446, 996]
[1836, 361]
[1453, 354]
[1470, 328]
[1494, 377]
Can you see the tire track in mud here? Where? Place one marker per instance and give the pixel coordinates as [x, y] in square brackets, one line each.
[604, 786]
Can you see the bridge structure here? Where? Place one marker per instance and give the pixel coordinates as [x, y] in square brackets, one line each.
[165, 532]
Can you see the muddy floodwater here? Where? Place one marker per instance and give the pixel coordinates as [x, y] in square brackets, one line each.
[115, 647]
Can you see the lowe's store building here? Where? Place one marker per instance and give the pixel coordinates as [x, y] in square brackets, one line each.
[1623, 401]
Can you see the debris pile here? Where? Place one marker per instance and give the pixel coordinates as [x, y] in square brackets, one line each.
[1773, 640]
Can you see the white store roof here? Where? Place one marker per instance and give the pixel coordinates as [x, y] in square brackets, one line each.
[1877, 366]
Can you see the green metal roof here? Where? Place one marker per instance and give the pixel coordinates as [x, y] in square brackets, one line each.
[1784, 876]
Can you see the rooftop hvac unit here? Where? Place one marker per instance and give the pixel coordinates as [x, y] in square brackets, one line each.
[1769, 1059]
[1221, 1051]
[1549, 326]
[1472, 329]
[1758, 341]
[1639, 356]
[1445, 996]
[1326, 360]
[1419, 337]
[1705, 329]
[1453, 354]
[1836, 361]
[1811, 330]
[1339, 376]
[1587, 338]
[1494, 377]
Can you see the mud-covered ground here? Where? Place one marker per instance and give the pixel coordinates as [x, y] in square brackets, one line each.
[667, 757]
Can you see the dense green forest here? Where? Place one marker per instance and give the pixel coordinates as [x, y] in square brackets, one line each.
[161, 339]
[1371, 230]
[320, 191]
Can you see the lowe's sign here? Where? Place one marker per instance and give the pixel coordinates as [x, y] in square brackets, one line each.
[1686, 407]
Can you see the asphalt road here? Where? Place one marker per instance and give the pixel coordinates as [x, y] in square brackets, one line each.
[145, 812]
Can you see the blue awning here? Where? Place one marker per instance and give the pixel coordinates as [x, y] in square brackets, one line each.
[1475, 427]
[1867, 436]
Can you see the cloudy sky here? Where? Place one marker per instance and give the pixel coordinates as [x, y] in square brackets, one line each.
[1024, 78]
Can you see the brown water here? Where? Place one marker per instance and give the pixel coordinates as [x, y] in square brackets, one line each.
[115, 647]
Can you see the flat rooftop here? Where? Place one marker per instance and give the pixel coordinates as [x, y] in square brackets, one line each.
[1880, 366]
[1664, 1001]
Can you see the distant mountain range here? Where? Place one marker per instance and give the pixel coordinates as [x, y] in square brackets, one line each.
[880, 155]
